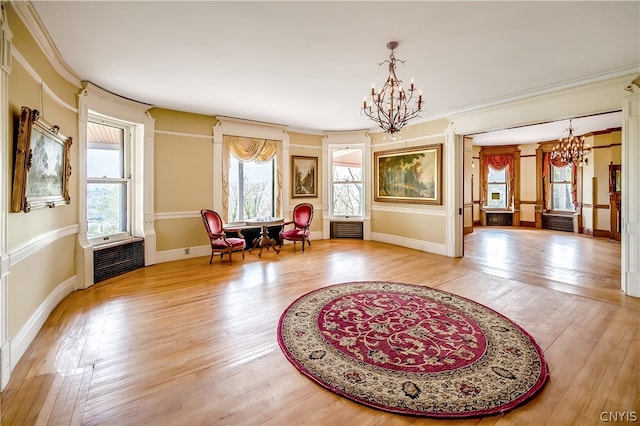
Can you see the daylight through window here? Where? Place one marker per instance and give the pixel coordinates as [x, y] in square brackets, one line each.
[497, 188]
[108, 177]
[347, 182]
[251, 189]
[561, 183]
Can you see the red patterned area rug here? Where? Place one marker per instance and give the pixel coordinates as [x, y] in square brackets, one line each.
[412, 350]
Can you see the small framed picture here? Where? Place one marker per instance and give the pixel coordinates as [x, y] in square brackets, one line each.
[304, 177]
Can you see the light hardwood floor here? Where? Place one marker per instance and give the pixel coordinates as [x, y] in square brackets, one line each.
[186, 343]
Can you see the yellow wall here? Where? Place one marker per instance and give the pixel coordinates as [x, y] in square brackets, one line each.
[50, 261]
[606, 150]
[396, 219]
[410, 225]
[527, 182]
[307, 145]
[183, 180]
[32, 280]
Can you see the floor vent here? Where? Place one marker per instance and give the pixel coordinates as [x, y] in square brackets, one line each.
[115, 259]
[557, 222]
[346, 230]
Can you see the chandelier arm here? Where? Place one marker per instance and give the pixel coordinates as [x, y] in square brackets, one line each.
[391, 107]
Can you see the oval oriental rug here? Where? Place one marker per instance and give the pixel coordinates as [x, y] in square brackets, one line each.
[411, 349]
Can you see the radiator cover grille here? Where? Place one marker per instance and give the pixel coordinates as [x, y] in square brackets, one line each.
[557, 222]
[347, 230]
[113, 260]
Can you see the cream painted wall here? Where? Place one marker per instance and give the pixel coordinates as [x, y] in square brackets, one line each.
[41, 243]
[415, 226]
[527, 182]
[476, 184]
[180, 233]
[606, 149]
[307, 145]
[35, 278]
[587, 194]
[183, 181]
[389, 220]
[468, 183]
[183, 173]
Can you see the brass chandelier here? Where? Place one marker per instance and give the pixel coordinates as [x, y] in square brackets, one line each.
[571, 149]
[391, 106]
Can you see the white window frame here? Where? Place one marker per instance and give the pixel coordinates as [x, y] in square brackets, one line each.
[554, 183]
[340, 140]
[94, 101]
[128, 131]
[332, 182]
[507, 191]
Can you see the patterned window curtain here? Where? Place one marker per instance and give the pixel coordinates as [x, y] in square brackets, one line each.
[498, 162]
[249, 149]
[547, 162]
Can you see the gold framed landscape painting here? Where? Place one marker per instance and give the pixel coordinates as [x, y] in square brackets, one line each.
[409, 175]
[41, 164]
[304, 177]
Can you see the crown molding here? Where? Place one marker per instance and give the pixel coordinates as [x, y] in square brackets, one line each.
[30, 18]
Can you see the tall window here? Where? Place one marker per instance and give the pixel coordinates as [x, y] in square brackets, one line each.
[347, 182]
[497, 188]
[108, 178]
[251, 189]
[561, 182]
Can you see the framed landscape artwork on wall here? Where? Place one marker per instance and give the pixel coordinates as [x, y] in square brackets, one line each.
[304, 177]
[409, 175]
[41, 164]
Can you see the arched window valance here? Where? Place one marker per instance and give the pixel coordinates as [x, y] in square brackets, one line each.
[251, 149]
[498, 162]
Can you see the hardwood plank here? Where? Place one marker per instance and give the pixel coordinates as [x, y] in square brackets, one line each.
[191, 343]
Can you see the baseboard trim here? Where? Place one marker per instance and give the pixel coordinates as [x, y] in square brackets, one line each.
[426, 246]
[200, 251]
[600, 233]
[527, 224]
[28, 332]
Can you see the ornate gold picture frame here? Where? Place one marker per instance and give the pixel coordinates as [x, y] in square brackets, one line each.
[409, 175]
[41, 164]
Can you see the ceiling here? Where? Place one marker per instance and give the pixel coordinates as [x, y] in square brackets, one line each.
[309, 64]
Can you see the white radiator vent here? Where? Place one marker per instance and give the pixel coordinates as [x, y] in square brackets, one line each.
[347, 230]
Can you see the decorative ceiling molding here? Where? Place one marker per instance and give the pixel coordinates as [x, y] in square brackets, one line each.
[38, 31]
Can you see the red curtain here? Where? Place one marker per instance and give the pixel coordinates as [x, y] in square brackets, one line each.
[547, 162]
[498, 162]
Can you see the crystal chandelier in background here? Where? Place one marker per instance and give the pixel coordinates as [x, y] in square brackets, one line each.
[391, 106]
[571, 149]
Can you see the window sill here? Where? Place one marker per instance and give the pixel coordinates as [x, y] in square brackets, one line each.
[106, 244]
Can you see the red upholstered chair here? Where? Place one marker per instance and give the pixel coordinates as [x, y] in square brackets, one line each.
[301, 220]
[219, 241]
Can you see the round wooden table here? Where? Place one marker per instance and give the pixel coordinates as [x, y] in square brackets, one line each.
[264, 240]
